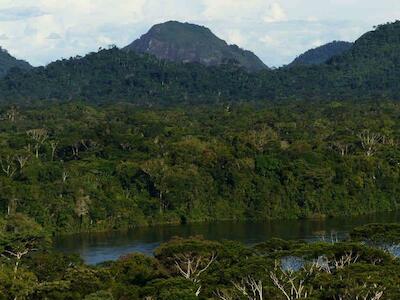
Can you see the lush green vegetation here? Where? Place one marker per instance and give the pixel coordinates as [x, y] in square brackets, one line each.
[71, 166]
[370, 70]
[196, 269]
[7, 62]
[321, 54]
[377, 234]
[76, 167]
[147, 155]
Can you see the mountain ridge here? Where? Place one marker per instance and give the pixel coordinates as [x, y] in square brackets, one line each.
[369, 70]
[7, 62]
[191, 43]
[321, 54]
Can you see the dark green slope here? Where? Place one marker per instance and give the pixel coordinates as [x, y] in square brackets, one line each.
[184, 42]
[373, 63]
[380, 46]
[8, 62]
[113, 75]
[321, 54]
[369, 70]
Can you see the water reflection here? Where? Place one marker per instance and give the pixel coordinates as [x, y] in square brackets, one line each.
[292, 263]
[99, 247]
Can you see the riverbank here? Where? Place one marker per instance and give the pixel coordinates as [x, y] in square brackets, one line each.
[95, 247]
[152, 223]
[116, 166]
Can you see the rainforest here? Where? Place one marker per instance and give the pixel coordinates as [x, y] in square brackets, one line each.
[76, 167]
[117, 140]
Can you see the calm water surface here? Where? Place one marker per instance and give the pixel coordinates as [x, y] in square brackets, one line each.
[99, 247]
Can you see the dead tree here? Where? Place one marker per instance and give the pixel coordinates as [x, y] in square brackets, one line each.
[18, 257]
[12, 114]
[53, 146]
[8, 166]
[39, 135]
[362, 292]
[65, 176]
[22, 160]
[345, 260]
[323, 264]
[191, 266]
[250, 288]
[292, 284]
[369, 142]
[342, 148]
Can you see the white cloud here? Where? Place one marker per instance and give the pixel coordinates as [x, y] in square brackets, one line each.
[236, 37]
[317, 43]
[269, 41]
[53, 36]
[275, 13]
[233, 9]
[20, 13]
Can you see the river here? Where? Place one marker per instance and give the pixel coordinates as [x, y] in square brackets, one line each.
[99, 247]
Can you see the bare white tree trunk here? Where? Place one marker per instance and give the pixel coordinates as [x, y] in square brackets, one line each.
[39, 135]
[250, 288]
[192, 266]
[369, 142]
[53, 145]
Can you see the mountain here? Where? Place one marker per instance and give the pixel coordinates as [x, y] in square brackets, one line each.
[321, 54]
[370, 69]
[188, 43]
[8, 62]
[378, 48]
[116, 75]
[373, 63]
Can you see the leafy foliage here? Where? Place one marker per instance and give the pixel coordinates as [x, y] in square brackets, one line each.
[369, 70]
[8, 62]
[377, 233]
[321, 54]
[109, 167]
[276, 269]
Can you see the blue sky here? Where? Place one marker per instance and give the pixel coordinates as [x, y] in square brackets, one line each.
[41, 31]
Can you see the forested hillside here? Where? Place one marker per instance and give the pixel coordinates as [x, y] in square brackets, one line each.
[119, 139]
[369, 70]
[146, 154]
[321, 54]
[76, 167]
[8, 62]
[113, 75]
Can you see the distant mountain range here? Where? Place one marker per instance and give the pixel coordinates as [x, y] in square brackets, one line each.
[189, 43]
[369, 69]
[321, 54]
[8, 62]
